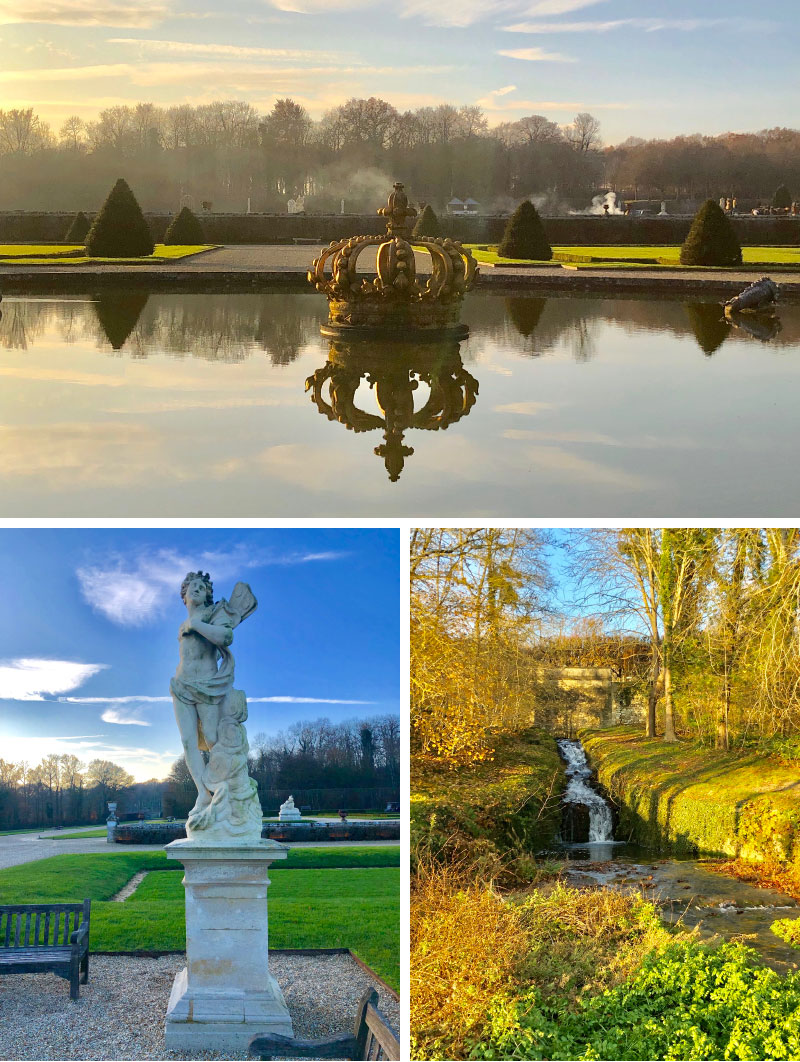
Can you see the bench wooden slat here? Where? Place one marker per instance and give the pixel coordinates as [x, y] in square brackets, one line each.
[38, 954]
[34, 952]
[43, 907]
[36, 929]
[381, 1032]
[8, 928]
[17, 925]
[47, 927]
[66, 928]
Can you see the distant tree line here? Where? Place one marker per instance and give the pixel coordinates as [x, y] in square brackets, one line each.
[355, 758]
[359, 755]
[220, 155]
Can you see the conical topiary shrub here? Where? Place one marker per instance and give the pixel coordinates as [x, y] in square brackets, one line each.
[525, 236]
[120, 229]
[78, 230]
[427, 223]
[711, 240]
[185, 229]
[782, 200]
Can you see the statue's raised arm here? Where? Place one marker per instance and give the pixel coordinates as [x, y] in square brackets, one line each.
[210, 713]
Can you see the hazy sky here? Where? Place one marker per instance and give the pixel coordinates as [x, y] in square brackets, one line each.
[89, 634]
[643, 68]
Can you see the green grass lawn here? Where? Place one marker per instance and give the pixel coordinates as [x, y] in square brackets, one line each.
[637, 256]
[54, 253]
[319, 898]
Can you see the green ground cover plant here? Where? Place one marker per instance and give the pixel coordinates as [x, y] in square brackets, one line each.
[787, 929]
[319, 898]
[494, 809]
[690, 799]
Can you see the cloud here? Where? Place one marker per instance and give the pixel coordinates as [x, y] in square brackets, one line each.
[143, 763]
[448, 13]
[125, 718]
[303, 700]
[537, 55]
[232, 51]
[559, 7]
[649, 25]
[130, 591]
[29, 678]
[139, 15]
[491, 103]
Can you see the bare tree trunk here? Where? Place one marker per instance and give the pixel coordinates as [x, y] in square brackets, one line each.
[722, 739]
[669, 717]
[652, 699]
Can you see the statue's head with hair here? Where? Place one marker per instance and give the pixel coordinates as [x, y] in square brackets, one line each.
[204, 577]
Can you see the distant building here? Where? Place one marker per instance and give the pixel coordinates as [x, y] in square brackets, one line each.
[461, 207]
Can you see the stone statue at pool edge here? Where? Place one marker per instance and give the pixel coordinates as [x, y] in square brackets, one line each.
[210, 714]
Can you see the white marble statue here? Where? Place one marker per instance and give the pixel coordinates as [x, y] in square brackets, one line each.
[210, 714]
[288, 811]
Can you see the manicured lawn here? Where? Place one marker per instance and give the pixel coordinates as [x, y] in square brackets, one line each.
[54, 253]
[319, 898]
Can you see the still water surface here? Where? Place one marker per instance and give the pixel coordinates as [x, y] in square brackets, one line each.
[197, 405]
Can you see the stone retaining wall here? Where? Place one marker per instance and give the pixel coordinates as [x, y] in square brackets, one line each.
[569, 699]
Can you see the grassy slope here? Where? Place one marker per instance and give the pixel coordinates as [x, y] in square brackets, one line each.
[687, 798]
[500, 801]
[319, 898]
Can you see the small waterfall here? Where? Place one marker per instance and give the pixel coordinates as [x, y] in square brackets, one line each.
[579, 792]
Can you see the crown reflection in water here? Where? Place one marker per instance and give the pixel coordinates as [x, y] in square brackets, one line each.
[394, 372]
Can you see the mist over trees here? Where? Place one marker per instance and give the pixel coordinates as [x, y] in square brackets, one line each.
[226, 152]
[703, 624]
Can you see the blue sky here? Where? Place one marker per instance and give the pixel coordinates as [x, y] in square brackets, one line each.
[89, 633]
[643, 68]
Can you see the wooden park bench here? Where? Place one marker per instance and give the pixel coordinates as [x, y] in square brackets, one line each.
[372, 1037]
[37, 937]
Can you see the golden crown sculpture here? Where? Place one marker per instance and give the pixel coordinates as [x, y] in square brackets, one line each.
[396, 300]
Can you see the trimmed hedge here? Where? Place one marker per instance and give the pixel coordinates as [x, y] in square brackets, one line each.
[691, 800]
[79, 229]
[711, 240]
[120, 229]
[525, 236]
[185, 230]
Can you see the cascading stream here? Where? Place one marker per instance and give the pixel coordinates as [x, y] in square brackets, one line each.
[579, 791]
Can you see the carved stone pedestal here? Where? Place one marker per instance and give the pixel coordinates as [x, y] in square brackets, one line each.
[225, 995]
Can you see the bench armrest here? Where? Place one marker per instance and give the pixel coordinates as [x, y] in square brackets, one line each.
[79, 937]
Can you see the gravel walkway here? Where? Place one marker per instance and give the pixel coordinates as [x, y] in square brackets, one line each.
[120, 1014]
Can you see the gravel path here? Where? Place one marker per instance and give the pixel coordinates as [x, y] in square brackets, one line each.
[120, 1014]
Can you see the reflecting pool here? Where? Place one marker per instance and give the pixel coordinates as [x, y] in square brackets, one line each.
[234, 406]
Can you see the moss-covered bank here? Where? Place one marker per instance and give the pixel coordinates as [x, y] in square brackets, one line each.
[688, 800]
[508, 804]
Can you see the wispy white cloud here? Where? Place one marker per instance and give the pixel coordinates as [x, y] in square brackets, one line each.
[492, 103]
[649, 25]
[537, 55]
[139, 15]
[124, 717]
[303, 700]
[232, 51]
[129, 591]
[30, 679]
[449, 13]
[559, 7]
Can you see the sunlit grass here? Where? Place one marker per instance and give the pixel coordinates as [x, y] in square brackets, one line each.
[635, 257]
[60, 253]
